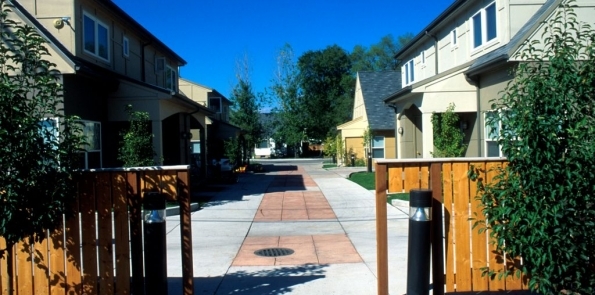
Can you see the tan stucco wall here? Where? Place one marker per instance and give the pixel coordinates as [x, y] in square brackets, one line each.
[354, 145]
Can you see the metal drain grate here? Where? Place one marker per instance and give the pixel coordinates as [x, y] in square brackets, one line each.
[273, 252]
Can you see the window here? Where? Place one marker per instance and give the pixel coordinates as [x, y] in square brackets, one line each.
[484, 25]
[378, 147]
[408, 73]
[95, 37]
[215, 104]
[49, 131]
[125, 47]
[92, 149]
[453, 38]
[170, 79]
[492, 133]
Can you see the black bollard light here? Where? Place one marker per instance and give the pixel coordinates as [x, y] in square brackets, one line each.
[369, 162]
[154, 241]
[352, 160]
[418, 255]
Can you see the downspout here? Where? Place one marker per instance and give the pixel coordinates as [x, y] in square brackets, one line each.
[435, 52]
[143, 77]
[480, 130]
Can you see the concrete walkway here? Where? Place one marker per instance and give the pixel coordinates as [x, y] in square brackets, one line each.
[326, 220]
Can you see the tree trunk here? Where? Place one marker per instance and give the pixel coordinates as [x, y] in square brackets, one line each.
[10, 267]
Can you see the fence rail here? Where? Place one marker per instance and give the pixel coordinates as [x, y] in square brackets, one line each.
[100, 252]
[459, 252]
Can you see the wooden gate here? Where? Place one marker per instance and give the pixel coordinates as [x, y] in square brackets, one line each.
[99, 250]
[459, 252]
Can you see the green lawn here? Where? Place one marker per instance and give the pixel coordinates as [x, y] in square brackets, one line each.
[324, 166]
[368, 181]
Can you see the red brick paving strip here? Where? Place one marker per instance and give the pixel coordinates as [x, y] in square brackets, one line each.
[296, 204]
[317, 249]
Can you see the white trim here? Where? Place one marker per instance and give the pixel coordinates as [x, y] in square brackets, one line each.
[383, 148]
[96, 24]
[125, 46]
[483, 23]
[488, 136]
[454, 39]
[173, 78]
[408, 73]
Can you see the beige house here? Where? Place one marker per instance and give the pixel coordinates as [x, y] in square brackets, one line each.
[108, 61]
[464, 57]
[218, 127]
[369, 111]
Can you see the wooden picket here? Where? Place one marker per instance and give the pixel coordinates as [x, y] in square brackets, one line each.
[466, 251]
[94, 253]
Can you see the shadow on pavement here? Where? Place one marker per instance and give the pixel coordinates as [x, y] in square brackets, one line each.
[250, 184]
[262, 282]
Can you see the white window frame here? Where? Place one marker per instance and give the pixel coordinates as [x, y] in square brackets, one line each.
[383, 148]
[86, 149]
[55, 127]
[96, 24]
[483, 18]
[125, 46]
[408, 72]
[489, 136]
[453, 38]
[170, 78]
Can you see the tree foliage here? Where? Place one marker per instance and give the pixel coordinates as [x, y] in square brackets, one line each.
[39, 150]
[380, 56]
[327, 85]
[244, 114]
[448, 137]
[136, 145]
[289, 100]
[542, 205]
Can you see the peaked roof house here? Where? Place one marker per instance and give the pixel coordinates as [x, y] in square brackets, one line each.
[370, 111]
[108, 60]
[218, 127]
[465, 57]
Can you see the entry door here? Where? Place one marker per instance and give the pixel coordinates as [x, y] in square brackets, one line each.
[411, 140]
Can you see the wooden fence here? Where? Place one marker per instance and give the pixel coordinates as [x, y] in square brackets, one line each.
[85, 256]
[459, 252]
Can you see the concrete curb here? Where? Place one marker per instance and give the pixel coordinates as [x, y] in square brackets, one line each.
[171, 211]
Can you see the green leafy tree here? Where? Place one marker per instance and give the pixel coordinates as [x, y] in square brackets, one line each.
[542, 206]
[288, 99]
[233, 149]
[448, 137]
[380, 56]
[327, 85]
[39, 150]
[244, 112]
[136, 146]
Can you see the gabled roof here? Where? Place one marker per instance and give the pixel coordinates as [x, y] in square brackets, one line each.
[503, 53]
[375, 87]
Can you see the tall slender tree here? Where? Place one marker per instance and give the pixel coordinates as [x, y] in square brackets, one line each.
[245, 109]
[288, 98]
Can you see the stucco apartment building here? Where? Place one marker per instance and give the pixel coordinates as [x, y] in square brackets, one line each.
[465, 57]
[108, 60]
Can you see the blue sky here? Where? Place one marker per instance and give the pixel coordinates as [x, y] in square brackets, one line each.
[211, 35]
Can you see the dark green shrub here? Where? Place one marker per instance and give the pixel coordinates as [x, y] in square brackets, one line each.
[542, 205]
